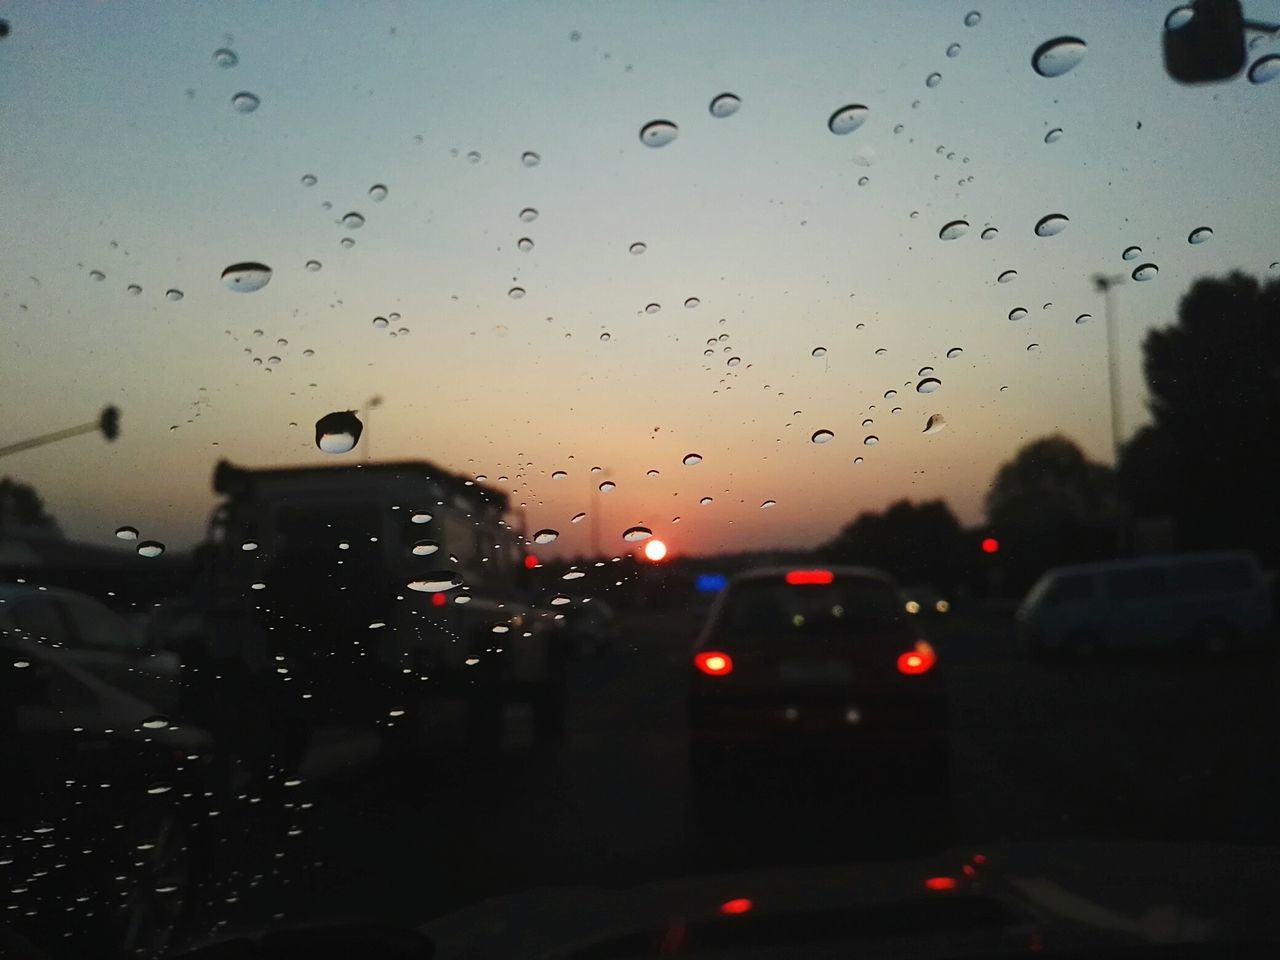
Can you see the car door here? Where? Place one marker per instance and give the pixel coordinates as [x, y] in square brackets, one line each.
[104, 644]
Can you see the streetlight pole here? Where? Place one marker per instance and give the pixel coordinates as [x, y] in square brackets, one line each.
[369, 406]
[1103, 284]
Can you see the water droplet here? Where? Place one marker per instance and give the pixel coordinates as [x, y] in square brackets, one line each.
[608, 486]
[560, 600]
[954, 230]
[1032, 346]
[822, 436]
[1199, 235]
[870, 440]
[528, 215]
[473, 156]
[1017, 313]
[546, 536]
[848, 119]
[347, 242]
[692, 459]
[1131, 253]
[1055, 57]
[524, 244]
[530, 159]
[245, 102]
[972, 18]
[150, 548]
[126, 533]
[156, 722]
[559, 474]
[1178, 18]
[308, 179]
[173, 295]
[420, 516]
[338, 432]
[692, 302]
[134, 289]
[725, 105]
[636, 534]
[273, 361]
[424, 548]
[1007, 276]
[380, 323]
[97, 275]
[605, 337]
[436, 582]
[1051, 225]
[881, 351]
[863, 181]
[353, 221]
[577, 518]
[652, 308]
[733, 361]
[637, 248]
[954, 352]
[1265, 69]
[705, 502]
[932, 80]
[989, 233]
[928, 385]
[923, 370]
[378, 192]
[658, 133]
[249, 546]
[223, 57]
[158, 788]
[1145, 271]
[1053, 136]
[935, 424]
[1084, 318]
[313, 266]
[953, 50]
[246, 277]
[515, 293]
[818, 352]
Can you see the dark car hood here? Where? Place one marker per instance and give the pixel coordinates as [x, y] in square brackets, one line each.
[1067, 894]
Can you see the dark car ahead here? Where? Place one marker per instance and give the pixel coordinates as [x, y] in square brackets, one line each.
[793, 657]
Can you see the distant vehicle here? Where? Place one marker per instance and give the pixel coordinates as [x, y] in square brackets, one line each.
[924, 600]
[391, 586]
[1207, 602]
[95, 832]
[593, 628]
[826, 656]
[93, 637]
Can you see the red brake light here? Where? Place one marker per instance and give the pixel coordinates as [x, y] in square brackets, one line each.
[439, 599]
[530, 561]
[918, 660]
[736, 905]
[940, 883]
[714, 663]
[797, 577]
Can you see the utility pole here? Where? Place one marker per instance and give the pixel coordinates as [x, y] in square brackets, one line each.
[108, 424]
[1103, 284]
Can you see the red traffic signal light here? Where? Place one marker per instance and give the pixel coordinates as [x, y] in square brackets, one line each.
[990, 545]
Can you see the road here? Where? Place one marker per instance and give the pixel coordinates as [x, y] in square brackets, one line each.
[1128, 750]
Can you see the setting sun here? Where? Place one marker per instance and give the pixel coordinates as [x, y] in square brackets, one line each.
[655, 550]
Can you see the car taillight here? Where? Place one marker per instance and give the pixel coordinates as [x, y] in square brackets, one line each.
[919, 659]
[802, 577]
[714, 663]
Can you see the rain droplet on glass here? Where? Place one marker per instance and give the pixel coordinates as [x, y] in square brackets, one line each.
[636, 534]
[989, 233]
[692, 302]
[246, 277]
[546, 536]
[150, 548]
[608, 486]
[692, 459]
[1145, 271]
[932, 80]
[530, 159]
[1051, 225]
[1199, 235]
[1007, 276]
[338, 432]
[353, 221]
[1053, 136]
[173, 295]
[1084, 318]
[1131, 253]
[935, 423]
[1017, 313]
[822, 436]
[1055, 57]
[928, 385]
[1265, 69]
[954, 352]
[515, 293]
[658, 133]
[223, 57]
[524, 244]
[725, 105]
[848, 119]
[953, 50]
[972, 18]
[953, 230]
[637, 248]
[245, 102]
[378, 193]
[126, 533]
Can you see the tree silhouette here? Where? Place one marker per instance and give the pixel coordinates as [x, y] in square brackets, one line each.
[22, 510]
[1209, 460]
[1050, 505]
[917, 543]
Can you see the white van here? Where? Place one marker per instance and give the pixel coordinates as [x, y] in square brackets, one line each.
[1210, 602]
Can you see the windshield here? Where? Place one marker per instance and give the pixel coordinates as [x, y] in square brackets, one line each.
[388, 391]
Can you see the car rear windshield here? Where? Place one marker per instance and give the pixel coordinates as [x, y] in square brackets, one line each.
[759, 607]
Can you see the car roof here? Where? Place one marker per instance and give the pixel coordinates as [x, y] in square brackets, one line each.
[840, 571]
[1153, 560]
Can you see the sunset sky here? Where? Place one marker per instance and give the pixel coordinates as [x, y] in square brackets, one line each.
[122, 153]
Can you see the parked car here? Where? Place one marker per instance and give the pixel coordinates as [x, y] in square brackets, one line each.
[97, 818]
[1212, 603]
